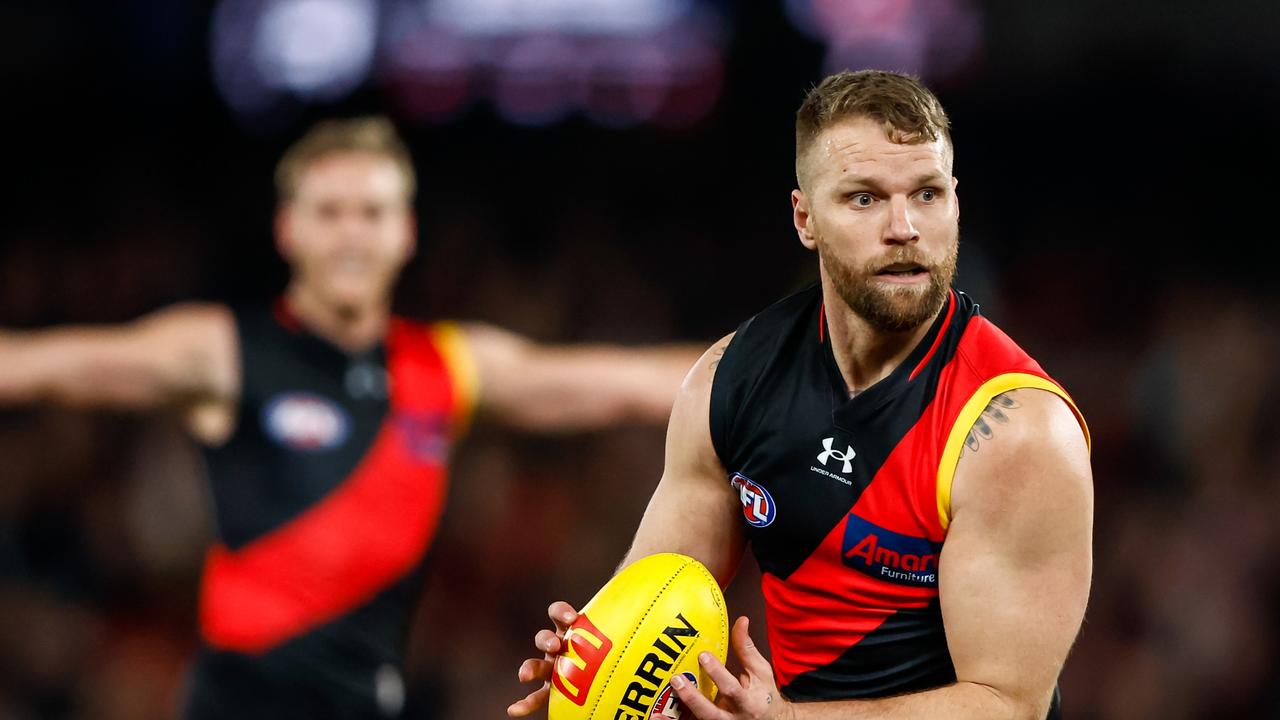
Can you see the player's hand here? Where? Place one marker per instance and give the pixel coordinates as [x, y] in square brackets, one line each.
[550, 642]
[753, 695]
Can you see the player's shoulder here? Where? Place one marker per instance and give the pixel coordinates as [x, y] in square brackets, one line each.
[1033, 438]
[405, 323]
[700, 378]
[430, 337]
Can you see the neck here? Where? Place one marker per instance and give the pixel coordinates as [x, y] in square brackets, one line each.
[354, 328]
[865, 354]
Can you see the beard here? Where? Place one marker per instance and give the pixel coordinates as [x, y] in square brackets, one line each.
[885, 306]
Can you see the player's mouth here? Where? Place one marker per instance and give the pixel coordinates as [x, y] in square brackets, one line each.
[350, 265]
[903, 273]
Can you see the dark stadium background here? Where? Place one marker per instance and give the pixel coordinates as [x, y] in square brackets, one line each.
[1119, 182]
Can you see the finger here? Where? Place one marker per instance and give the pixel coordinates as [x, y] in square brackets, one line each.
[530, 704]
[534, 669]
[729, 686]
[695, 702]
[752, 661]
[562, 614]
[548, 642]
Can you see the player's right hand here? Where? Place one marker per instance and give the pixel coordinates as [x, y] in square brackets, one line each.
[550, 642]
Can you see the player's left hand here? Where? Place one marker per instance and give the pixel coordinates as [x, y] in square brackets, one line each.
[753, 695]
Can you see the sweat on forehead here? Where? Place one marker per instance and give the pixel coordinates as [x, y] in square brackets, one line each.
[848, 142]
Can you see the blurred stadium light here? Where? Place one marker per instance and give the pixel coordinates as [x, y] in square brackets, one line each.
[939, 40]
[513, 17]
[619, 63]
[266, 51]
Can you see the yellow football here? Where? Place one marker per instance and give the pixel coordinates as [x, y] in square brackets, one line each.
[646, 624]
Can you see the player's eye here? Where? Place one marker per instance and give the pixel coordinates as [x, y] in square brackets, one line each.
[928, 195]
[862, 199]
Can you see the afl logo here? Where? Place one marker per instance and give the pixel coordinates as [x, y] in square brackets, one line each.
[668, 706]
[757, 503]
[304, 421]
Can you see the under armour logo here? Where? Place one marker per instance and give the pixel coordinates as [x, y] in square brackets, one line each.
[846, 457]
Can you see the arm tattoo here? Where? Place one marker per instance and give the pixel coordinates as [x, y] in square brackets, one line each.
[984, 426]
[719, 353]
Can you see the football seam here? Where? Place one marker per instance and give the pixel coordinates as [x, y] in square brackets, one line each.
[657, 596]
[724, 609]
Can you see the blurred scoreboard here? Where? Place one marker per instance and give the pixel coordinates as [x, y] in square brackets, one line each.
[615, 63]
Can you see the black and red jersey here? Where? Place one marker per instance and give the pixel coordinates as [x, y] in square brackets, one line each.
[326, 499]
[846, 501]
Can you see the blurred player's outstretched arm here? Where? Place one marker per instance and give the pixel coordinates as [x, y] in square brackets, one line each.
[181, 358]
[561, 388]
[184, 358]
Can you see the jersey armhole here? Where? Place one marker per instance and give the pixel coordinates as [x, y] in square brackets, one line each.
[720, 414]
[451, 342]
[970, 413]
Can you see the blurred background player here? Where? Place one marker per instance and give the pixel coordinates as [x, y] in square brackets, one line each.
[327, 424]
[914, 486]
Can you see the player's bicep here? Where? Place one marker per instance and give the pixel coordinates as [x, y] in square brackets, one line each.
[524, 385]
[1015, 570]
[694, 510]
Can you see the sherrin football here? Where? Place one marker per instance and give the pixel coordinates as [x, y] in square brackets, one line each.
[649, 622]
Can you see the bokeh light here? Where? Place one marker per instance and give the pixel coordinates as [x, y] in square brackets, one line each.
[266, 53]
[938, 40]
[617, 63]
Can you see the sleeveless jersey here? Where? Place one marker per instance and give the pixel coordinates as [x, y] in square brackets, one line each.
[845, 501]
[326, 499]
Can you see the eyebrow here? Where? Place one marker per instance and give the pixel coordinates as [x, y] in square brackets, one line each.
[857, 180]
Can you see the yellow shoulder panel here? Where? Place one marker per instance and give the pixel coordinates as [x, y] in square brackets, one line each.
[970, 413]
[452, 344]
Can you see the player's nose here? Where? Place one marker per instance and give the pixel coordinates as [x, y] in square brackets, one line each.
[353, 228]
[901, 229]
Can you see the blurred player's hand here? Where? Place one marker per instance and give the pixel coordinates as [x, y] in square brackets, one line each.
[550, 642]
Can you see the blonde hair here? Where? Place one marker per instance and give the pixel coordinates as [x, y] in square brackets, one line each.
[909, 112]
[373, 135]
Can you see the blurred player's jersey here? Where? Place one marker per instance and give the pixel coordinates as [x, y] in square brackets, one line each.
[326, 499]
[846, 502]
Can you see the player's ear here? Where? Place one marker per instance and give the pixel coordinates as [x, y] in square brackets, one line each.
[955, 183]
[802, 219]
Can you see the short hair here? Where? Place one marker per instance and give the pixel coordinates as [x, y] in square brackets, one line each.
[374, 135]
[909, 112]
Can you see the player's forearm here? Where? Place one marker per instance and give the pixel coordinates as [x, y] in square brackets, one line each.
[69, 366]
[648, 379]
[587, 387]
[959, 701]
[24, 378]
